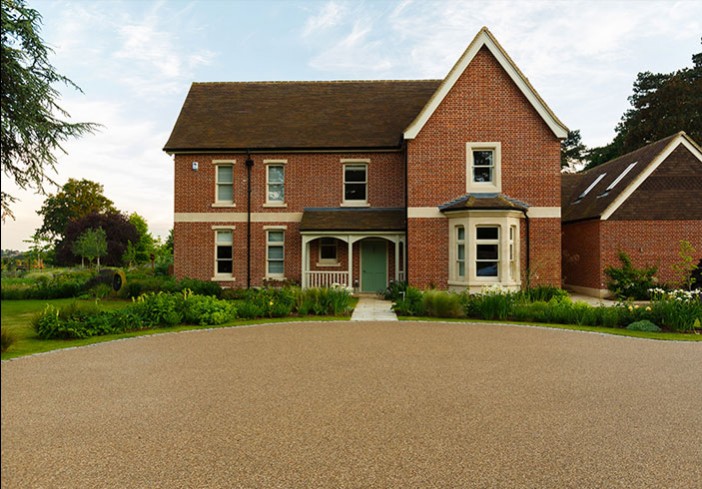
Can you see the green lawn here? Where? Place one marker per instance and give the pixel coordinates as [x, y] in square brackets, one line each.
[593, 329]
[17, 318]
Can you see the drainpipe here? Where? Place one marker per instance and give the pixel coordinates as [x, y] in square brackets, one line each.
[249, 165]
[406, 261]
[528, 247]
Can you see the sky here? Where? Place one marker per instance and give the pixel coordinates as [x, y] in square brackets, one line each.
[135, 60]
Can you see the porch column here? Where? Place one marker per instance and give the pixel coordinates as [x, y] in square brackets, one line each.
[397, 260]
[305, 261]
[349, 284]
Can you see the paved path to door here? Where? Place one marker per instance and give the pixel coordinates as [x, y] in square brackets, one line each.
[357, 404]
[373, 309]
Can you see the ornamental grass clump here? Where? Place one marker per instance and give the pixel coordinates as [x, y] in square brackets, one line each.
[494, 302]
[441, 304]
[643, 325]
[7, 339]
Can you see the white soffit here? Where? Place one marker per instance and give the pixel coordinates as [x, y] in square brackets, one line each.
[681, 138]
[485, 38]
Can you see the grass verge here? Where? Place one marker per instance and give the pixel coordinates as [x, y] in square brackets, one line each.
[17, 318]
[665, 336]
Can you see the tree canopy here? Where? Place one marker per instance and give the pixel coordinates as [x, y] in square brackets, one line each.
[91, 244]
[661, 105]
[118, 231]
[32, 124]
[76, 199]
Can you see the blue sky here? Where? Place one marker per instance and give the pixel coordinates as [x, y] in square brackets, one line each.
[135, 60]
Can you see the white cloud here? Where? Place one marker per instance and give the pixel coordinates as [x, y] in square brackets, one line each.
[328, 17]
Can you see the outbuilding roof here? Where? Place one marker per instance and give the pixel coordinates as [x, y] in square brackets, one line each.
[599, 192]
[298, 115]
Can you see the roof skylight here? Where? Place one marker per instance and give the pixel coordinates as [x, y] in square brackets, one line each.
[619, 178]
[592, 185]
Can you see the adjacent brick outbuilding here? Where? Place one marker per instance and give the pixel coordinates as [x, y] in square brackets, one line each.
[643, 203]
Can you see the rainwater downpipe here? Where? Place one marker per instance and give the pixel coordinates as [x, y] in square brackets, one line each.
[249, 165]
[528, 247]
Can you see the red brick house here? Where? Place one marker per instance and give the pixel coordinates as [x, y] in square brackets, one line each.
[643, 203]
[452, 183]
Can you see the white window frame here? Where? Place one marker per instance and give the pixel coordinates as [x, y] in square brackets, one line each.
[496, 184]
[460, 244]
[223, 203]
[489, 242]
[508, 271]
[226, 276]
[329, 262]
[269, 164]
[347, 163]
[269, 244]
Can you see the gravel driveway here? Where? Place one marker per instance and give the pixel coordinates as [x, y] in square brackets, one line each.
[359, 405]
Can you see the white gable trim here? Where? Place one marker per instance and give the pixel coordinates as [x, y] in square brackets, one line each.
[485, 38]
[683, 139]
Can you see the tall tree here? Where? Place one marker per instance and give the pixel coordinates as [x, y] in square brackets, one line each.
[76, 199]
[573, 152]
[661, 105]
[32, 124]
[145, 244]
[91, 244]
[118, 230]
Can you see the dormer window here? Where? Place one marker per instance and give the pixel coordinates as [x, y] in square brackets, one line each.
[483, 167]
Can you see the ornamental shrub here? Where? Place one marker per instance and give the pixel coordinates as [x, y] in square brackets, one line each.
[643, 325]
[159, 309]
[628, 282]
[207, 310]
[410, 304]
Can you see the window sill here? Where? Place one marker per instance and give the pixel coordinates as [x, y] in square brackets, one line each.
[223, 205]
[273, 205]
[223, 278]
[328, 264]
[354, 204]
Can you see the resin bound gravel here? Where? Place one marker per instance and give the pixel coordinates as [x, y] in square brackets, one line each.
[357, 405]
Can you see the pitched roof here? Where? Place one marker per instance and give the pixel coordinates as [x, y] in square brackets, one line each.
[484, 201]
[298, 115]
[353, 220]
[485, 38]
[598, 192]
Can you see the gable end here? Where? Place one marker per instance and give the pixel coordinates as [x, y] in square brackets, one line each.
[485, 38]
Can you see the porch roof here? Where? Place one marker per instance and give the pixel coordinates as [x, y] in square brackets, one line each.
[342, 219]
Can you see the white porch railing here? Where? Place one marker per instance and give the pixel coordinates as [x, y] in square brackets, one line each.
[327, 279]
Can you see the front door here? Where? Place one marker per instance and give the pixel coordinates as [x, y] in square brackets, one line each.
[374, 265]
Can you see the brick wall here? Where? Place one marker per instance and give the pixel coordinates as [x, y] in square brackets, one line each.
[590, 246]
[649, 243]
[311, 180]
[581, 254]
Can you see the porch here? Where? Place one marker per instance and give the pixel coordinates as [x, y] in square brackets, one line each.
[358, 249]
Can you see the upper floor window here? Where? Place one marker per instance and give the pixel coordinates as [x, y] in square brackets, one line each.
[224, 183]
[356, 183]
[483, 167]
[275, 182]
